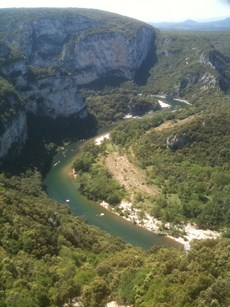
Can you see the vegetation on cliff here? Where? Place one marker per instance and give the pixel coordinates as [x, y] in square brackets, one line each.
[179, 57]
[194, 66]
[106, 21]
[47, 255]
[10, 104]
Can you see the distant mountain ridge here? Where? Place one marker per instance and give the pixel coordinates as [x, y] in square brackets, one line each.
[189, 24]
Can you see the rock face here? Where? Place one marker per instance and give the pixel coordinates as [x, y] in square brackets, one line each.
[212, 78]
[175, 142]
[13, 127]
[205, 79]
[48, 54]
[107, 54]
[58, 51]
[216, 60]
[14, 136]
[55, 95]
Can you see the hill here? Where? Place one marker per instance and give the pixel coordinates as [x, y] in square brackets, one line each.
[182, 162]
[194, 66]
[191, 25]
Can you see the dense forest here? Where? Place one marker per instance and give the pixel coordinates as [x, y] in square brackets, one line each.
[192, 170]
[188, 161]
[48, 256]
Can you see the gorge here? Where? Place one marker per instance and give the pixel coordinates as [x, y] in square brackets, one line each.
[50, 56]
[52, 53]
[65, 73]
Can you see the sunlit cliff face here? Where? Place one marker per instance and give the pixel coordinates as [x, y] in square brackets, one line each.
[49, 55]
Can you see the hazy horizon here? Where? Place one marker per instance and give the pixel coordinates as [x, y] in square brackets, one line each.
[154, 11]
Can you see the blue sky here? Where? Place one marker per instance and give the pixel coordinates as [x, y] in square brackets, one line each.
[146, 10]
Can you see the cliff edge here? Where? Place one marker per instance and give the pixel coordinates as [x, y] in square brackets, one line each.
[48, 54]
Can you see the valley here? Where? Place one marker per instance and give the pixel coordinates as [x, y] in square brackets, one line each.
[136, 207]
[65, 74]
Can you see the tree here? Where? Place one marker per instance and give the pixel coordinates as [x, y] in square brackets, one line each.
[95, 294]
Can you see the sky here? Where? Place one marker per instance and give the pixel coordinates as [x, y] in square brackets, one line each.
[145, 10]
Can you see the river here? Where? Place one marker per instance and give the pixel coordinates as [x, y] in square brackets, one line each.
[61, 186]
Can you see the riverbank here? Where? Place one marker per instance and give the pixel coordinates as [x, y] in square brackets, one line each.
[176, 99]
[190, 232]
[102, 138]
[163, 104]
[185, 234]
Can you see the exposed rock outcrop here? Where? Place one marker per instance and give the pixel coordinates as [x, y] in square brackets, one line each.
[214, 59]
[13, 128]
[191, 63]
[55, 95]
[175, 142]
[96, 56]
[48, 54]
[14, 136]
[78, 45]
[217, 61]
[206, 81]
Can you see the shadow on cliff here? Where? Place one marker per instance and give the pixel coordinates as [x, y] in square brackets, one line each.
[112, 79]
[142, 74]
[45, 136]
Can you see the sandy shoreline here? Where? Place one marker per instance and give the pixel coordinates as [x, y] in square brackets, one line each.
[102, 138]
[176, 99]
[128, 212]
[183, 100]
[163, 104]
[152, 224]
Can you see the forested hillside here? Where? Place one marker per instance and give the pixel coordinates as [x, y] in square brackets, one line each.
[190, 65]
[189, 162]
[48, 256]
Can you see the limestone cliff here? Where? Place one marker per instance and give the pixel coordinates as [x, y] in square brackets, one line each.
[48, 54]
[190, 64]
[217, 61]
[14, 136]
[212, 77]
[59, 50]
[13, 127]
[206, 80]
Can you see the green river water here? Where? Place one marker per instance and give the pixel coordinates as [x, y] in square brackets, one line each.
[61, 186]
